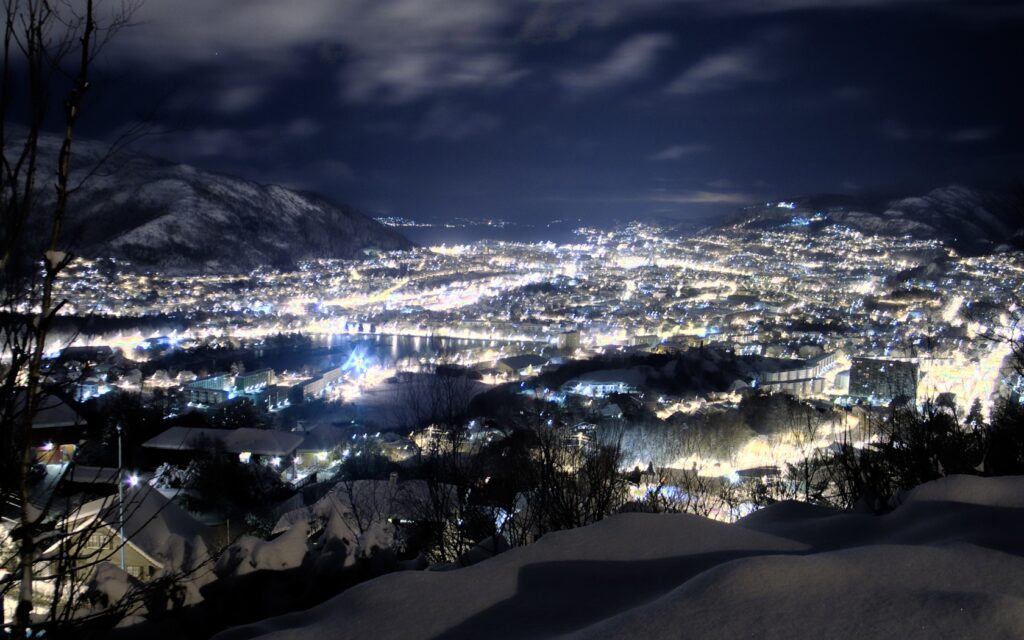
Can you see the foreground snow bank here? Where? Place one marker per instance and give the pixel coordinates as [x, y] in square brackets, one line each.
[994, 492]
[947, 564]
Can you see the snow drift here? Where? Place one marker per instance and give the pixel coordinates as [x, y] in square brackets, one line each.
[946, 564]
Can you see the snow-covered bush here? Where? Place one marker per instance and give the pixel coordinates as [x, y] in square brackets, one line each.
[169, 476]
[251, 554]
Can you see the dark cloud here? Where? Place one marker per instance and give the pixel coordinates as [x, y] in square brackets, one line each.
[452, 123]
[702, 197]
[676, 151]
[896, 130]
[545, 107]
[225, 142]
[238, 98]
[972, 134]
[392, 50]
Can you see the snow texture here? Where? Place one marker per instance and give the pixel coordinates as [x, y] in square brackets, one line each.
[250, 554]
[158, 214]
[972, 221]
[153, 524]
[946, 564]
[108, 584]
[158, 528]
[350, 523]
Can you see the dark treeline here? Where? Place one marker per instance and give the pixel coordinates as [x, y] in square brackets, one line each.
[909, 447]
[102, 325]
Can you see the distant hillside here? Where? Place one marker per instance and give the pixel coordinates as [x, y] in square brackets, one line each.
[972, 221]
[173, 216]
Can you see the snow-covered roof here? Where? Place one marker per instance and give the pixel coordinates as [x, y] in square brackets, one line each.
[262, 441]
[373, 499]
[324, 437]
[633, 377]
[258, 441]
[83, 474]
[52, 412]
[151, 521]
[182, 438]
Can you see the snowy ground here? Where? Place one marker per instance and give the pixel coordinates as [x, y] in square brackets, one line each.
[949, 563]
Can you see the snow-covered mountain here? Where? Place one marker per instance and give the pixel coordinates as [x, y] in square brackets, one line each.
[173, 216]
[949, 563]
[970, 220]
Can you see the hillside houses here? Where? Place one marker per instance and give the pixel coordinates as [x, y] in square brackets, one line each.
[159, 536]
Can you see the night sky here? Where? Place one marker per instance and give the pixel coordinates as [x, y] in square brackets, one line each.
[597, 109]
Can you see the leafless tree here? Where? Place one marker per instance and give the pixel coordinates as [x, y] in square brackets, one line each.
[806, 430]
[687, 490]
[368, 501]
[434, 404]
[76, 542]
[49, 50]
[438, 396]
[575, 482]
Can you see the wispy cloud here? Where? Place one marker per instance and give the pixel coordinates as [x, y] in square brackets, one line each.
[972, 134]
[198, 143]
[849, 93]
[331, 169]
[896, 130]
[664, 196]
[405, 76]
[676, 152]
[843, 96]
[406, 50]
[730, 68]
[902, 132]
[701, 197]
[301, 128]
[449, 122]
[781, 6]
[630, 61]
[386, 50]
[239, 98]
[559, 20]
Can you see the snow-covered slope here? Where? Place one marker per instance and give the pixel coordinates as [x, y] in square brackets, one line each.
[947, 564]
[971, 220]
[969, 217]
[156, 213]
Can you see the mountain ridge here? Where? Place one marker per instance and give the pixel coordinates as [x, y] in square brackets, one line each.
[970, 220]
[158, 214]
